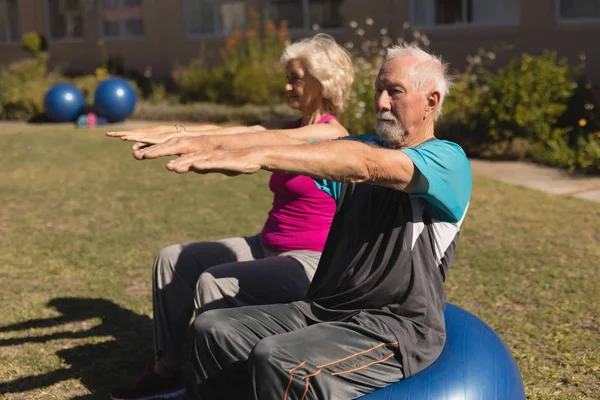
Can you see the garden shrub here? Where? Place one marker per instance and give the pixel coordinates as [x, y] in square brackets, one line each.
[249, 71]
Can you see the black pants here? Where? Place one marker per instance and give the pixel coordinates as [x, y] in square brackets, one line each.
[275, 352]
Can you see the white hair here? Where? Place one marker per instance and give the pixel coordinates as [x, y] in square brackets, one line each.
[329, 63]
[430, 73]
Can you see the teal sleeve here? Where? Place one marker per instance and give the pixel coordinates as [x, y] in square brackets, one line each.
[369, 139]
[447, 171]
[333, 189]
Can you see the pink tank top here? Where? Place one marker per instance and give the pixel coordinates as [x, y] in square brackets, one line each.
[301, 214]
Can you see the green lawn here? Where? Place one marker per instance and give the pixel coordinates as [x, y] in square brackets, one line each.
[81, 222]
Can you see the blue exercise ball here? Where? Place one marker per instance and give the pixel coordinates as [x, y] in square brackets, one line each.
[114, 99]
[64, 102]
[475, 364]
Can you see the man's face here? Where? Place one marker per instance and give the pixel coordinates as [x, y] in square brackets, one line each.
[400, 107]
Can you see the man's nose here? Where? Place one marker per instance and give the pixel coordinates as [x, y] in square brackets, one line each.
[383, 101]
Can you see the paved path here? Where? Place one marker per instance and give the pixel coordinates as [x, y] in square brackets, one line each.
[538, 177]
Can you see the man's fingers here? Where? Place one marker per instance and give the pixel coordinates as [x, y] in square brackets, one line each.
[184, 164]
[179, 168]
[181, 162]
[141, 146]
[145, 150]
[159, 150]
[138, 154]
[190, 157]
[138, 146]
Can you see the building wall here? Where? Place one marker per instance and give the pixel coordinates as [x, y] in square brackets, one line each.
[166, 43]
[538, 31]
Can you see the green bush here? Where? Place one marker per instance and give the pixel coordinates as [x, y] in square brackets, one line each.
[198, 82]
[259, 79]
[249, 70]
[535, 108]
[522, 101]
[555, 152]
[158, 94]
[526, 99]
[23, 86]
[588, 153]
[359, 116]
[34, 43]
[584, 156]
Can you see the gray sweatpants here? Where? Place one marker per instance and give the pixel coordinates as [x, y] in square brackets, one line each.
[226, 273]
[274, 352]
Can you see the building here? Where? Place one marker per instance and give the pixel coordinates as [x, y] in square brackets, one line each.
[164, 33]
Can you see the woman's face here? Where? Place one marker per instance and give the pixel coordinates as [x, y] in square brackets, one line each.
[303, 89]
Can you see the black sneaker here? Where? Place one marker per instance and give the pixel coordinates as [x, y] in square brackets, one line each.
[151, 386]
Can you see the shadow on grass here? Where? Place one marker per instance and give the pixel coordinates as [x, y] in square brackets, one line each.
[127, 337]
[98, 366]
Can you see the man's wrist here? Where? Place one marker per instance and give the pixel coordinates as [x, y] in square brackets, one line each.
[264, 156]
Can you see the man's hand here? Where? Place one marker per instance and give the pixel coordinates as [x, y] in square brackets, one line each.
[228, 162]
[145, 140]
[174, 147]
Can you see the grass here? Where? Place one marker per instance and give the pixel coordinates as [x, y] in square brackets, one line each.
[81, 222]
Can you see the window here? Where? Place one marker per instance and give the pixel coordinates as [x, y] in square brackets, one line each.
[305, 14]
[9, 27]
[429, 13]
[65, 19]
[122, 18]
[578, 9]
[209, 17]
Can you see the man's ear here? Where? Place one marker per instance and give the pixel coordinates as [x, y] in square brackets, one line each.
[433, 101]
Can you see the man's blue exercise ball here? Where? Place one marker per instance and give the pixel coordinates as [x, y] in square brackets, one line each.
[475, 364]
[64, 102]
[114, 99]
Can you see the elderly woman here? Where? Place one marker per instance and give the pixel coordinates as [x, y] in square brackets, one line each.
[274, 266]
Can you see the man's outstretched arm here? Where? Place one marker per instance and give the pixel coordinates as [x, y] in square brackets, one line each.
[345, 161]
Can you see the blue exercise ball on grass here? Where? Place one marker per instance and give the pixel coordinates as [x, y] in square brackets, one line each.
[474, 365]
[64, 102]
[114, 99]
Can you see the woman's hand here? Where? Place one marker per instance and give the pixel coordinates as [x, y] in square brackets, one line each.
[149, 131]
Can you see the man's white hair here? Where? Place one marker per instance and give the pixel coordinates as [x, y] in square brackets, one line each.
[430, 73]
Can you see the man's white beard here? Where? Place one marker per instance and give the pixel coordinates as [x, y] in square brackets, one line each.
[388, 128]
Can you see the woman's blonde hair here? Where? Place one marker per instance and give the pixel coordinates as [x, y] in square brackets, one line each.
[329, 63]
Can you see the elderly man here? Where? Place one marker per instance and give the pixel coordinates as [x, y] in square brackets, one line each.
[374, 311]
